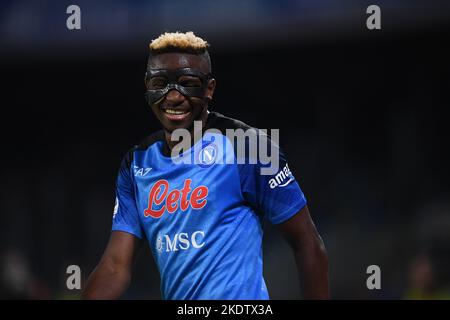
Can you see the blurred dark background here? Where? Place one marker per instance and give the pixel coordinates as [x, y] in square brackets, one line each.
[362, 118]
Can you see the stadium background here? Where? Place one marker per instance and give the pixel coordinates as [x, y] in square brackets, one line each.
[362, 118]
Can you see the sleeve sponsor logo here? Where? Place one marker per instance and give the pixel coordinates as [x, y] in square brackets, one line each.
[282, 178]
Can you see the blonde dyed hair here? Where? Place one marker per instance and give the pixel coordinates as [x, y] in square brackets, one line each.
[178, 41]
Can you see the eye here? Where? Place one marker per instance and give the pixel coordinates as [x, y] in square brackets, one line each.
[156, 83]
[190, 81]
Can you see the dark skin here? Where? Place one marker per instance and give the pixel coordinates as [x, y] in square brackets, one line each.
[310, 254]
[111, 277]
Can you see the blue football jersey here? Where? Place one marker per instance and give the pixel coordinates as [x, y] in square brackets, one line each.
[202, 211]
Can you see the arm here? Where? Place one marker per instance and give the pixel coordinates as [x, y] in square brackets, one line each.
[111, 277]
[310, 255]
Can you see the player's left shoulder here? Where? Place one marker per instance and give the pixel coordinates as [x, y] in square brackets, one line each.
[221, 122]
[236, 128]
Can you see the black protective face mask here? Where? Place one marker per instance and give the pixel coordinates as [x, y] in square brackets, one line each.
[160, 81]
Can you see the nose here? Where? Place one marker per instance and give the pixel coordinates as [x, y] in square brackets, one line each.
[174, 96]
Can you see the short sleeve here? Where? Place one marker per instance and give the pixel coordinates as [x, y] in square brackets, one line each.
[276, 195]
[126, 216]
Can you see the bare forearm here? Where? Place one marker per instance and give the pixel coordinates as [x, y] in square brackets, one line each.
[312, 265]
[106, 282]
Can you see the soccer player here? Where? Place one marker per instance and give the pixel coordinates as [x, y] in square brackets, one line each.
[203, 217]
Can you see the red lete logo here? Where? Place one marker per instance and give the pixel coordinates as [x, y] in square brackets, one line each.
[159, 194]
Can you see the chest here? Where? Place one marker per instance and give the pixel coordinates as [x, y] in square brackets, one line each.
[167, 193]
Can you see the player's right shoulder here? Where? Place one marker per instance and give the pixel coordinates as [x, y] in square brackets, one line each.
[144, 145]
[148, 141]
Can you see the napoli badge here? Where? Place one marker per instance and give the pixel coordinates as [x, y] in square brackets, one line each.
[207, 155]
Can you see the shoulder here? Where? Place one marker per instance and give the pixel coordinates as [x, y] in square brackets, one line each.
[148, 141]
[219, 121]
[144, 145]
[235, 129]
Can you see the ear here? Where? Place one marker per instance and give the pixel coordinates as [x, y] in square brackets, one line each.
[210, 89]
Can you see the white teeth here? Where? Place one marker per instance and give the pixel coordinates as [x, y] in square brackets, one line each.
[172, 111]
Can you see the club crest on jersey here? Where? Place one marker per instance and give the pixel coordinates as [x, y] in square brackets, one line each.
[161, 200]
[207, 155]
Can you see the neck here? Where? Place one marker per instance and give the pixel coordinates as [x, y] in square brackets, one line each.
[171, 144]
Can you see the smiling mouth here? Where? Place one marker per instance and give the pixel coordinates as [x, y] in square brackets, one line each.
[174, 111]
[176, 115]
